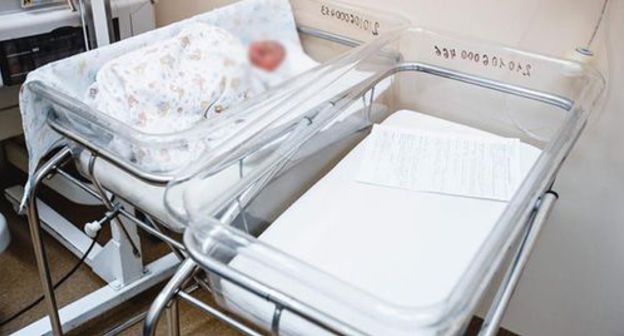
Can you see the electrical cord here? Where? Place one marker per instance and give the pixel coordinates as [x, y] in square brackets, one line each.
[56, 285]
[603, 11]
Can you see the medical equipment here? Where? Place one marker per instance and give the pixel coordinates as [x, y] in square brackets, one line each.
[22, 55]
[33, 36]
[21, 32]
[44, 32]
[55, 115]
[298, 246]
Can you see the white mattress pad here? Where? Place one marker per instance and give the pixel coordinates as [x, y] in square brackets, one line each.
[406, 248]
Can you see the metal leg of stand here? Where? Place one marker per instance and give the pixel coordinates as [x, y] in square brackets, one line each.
[503, 296]
[5, 234]
[164, 297]
[39, 248]
[173, 318]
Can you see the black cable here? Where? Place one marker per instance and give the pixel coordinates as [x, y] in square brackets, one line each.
[58, 283]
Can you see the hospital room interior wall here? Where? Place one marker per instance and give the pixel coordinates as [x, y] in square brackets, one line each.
[573, 282]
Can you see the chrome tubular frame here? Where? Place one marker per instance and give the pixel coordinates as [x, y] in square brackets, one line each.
[54, 166]
[505, 291]
[35, 233]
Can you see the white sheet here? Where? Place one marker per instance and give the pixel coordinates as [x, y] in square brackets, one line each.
[406, 248]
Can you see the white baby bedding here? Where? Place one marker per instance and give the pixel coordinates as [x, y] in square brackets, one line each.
[404, 247]
[174, 84]
[247, 20]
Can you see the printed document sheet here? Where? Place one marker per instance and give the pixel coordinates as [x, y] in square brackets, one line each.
[447, 163]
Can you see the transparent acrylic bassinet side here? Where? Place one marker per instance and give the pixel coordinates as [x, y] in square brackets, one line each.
[233, 225]
[70, 116]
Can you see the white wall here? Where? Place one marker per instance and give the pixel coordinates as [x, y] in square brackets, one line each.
[573, 283]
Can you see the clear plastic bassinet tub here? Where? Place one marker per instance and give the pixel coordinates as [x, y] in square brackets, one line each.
[300, 246]
[54, 100]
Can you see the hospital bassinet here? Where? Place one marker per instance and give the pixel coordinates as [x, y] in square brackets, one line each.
[298, 246]
[58, 120]
[327, 29]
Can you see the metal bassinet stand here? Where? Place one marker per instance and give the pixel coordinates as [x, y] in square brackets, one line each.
[530, 220]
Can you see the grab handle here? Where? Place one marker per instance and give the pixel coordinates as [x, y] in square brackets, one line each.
[512, 276]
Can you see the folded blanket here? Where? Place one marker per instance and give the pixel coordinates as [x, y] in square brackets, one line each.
[171, 85]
